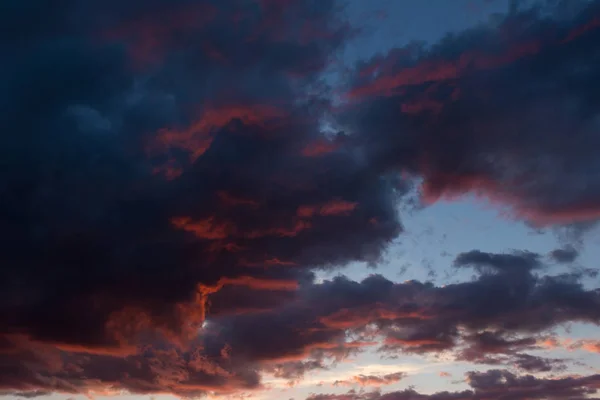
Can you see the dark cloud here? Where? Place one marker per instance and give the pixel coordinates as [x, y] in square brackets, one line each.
[506, 110]
[168, 192]
[30, 395]
[499, 348]
[492, 385]
[531, 363]
[520, 262]
[153, 156]
[565, 255]
[486, 343]
[494, 319]
[30, 368]
[295, 371]
[498, 313]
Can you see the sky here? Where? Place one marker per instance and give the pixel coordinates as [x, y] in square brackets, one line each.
[300, 199]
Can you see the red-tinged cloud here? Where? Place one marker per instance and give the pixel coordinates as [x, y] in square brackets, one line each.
[334, 207]
[260, 284]
[434, 71]
[590, 345]
[497, 328]
[319, 148]
[593, 346]
[197, 138]
[204, 229]
[230, 200]
[421, 344]
[140, 204]
[162, 224]
[229, 351]
[155, 370]
[442, 186]
[504, 110]
[576, 32]
[372, 380]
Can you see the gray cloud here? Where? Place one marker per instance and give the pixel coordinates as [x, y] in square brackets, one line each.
[492, 385]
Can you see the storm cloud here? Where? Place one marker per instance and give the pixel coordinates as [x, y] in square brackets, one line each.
[168, 193]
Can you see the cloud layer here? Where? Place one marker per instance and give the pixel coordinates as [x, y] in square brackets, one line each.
[505, 110]
[169, 191]
[492, 385]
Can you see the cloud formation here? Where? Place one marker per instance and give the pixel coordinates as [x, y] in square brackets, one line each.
[371, 380]
[505, 110]
[492, 385]
[169, 192]
[154, 158]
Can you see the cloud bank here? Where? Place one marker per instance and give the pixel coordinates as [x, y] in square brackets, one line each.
[169, 192]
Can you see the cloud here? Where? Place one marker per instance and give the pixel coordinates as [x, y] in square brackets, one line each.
[503, 110]
[530, 363]
[522, 262]
[492, 385]
[494, 319]
[501, 348]
[154, 176]
[499, 313]
[590, 345]
[169, 193]
[371, 380]
[294, 371]
[564, 255]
